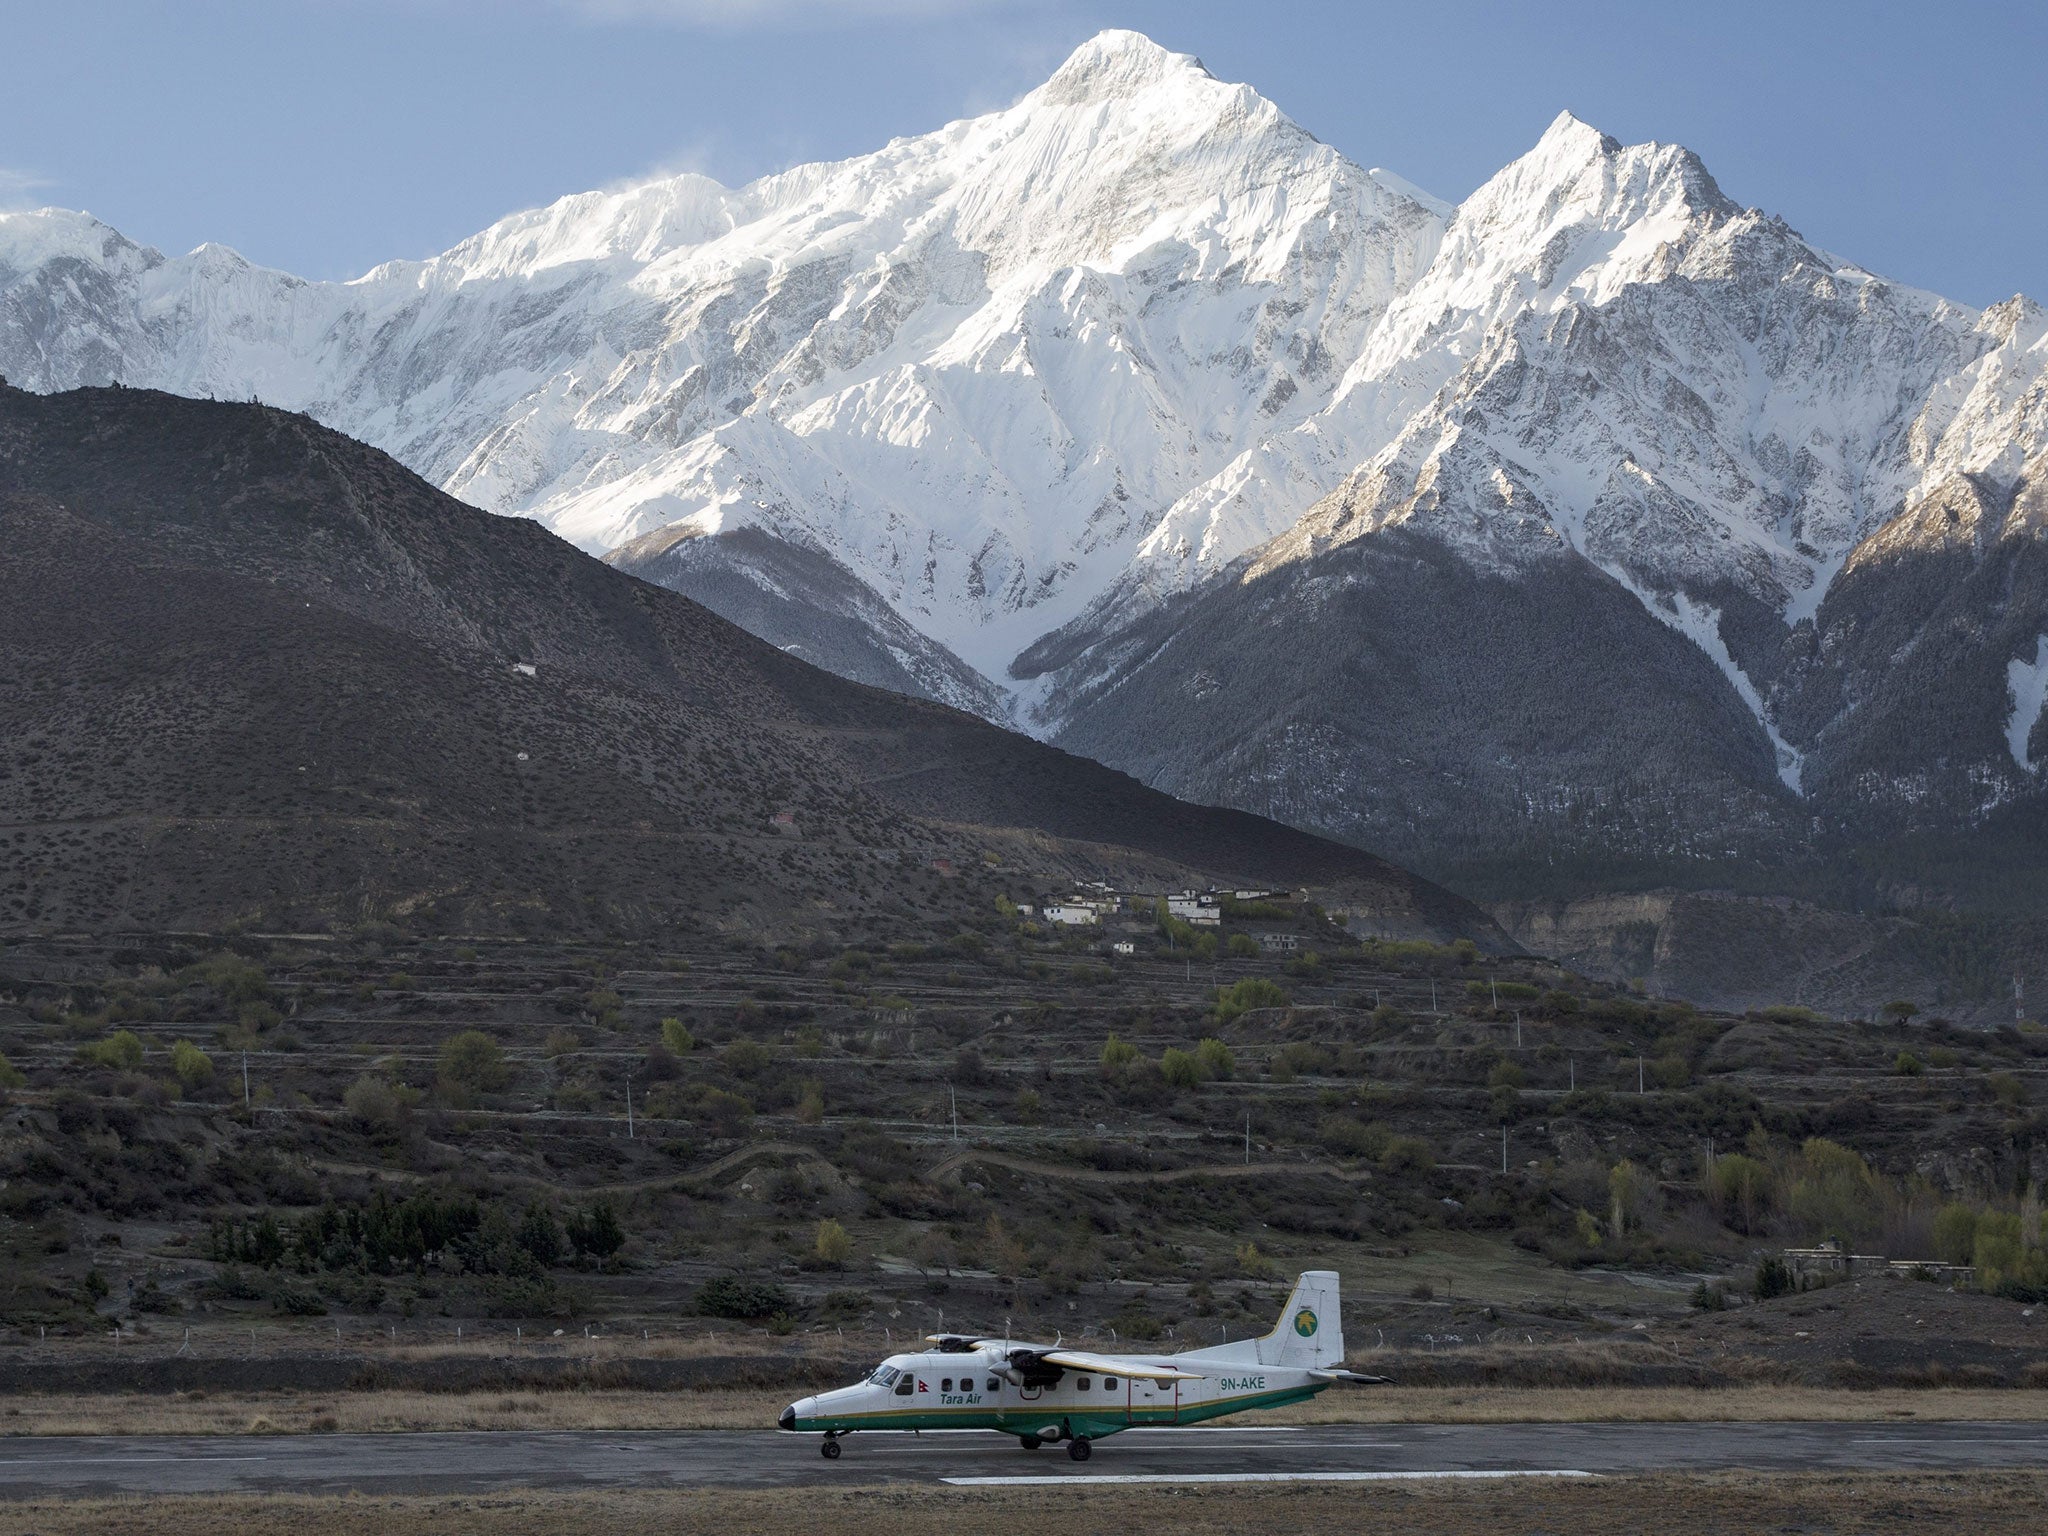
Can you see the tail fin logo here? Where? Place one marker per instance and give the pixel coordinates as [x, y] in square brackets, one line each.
[1305, 1323]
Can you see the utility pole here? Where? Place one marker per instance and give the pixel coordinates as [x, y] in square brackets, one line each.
[1496, 992]
[629, 1106]
[1572, 1067]
[1247, 1138]
[1503, 1147]
[2019, 993]
[245, 1080]
[1432, 994]
[954, 1098]
[1518, 1029]
[1639, 1074]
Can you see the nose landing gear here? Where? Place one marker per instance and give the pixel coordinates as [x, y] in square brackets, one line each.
[1079, 1448]
[830, 1449]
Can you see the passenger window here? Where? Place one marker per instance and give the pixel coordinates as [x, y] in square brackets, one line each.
[906, 1386]
[945, 1384]
[1080, 1383]
[994, 1385]
[1109, 1383]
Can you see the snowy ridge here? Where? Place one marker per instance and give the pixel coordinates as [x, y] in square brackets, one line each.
[1032, 373]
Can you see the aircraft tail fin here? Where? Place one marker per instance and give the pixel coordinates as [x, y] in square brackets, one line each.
[1310, 1333]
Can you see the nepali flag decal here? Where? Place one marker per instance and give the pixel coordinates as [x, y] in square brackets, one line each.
[922, 1387]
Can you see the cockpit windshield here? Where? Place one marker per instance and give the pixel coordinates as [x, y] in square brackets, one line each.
[884, 1376]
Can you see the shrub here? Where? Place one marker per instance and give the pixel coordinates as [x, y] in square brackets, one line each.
[541, 1235]
[810, 1106]
[1505, 1074]
[1406, 1154]
[1709, 1298]
[1251, 1263]
[833, 1245]
[472, 1063]
[1252, 992]
[726, 1113]
[1906, 1064]
[1117, 1054]
[748, 1058]
[193, 1066]
[677, 1037]
[596, 1231]
[1181, 1068]
[10, 1074]
[372, 1101]
[1773, 1278]
[737, 1297]
[1243, 946]
[122, 1050]
[1216, 1060]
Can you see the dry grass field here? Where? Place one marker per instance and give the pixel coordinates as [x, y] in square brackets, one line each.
[1984, 1504]
[288, 1413]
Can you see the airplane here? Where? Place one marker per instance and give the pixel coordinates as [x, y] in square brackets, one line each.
[1047, 1393]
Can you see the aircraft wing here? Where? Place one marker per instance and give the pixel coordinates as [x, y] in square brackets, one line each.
[1110, 1365]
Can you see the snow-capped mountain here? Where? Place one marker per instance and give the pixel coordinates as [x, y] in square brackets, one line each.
[970, 368]
[1134, 412]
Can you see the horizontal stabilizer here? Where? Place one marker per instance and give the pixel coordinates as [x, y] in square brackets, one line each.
[1353, 1378]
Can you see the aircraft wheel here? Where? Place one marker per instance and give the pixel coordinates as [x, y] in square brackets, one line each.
[1030, 1442]
[1080, 1449]
[829, 1450]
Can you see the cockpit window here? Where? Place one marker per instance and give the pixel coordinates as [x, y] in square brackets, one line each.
[884, 1375]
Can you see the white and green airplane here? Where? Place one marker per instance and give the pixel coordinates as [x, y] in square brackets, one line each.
[1043, 1393]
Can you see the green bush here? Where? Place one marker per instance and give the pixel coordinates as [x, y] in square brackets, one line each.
[1215, 1059]
[833, 1244]
[1773, 1278]
[1117, 1054]
[677, 1037]
[745, 1300]
[10, 1074]
[472, 1063]
[1252, 992]
[122, 1050]
[193, 1066]
[1906, 1064]
[596, 1231]
[1505, 1074]
[1181, 1068]
[1243, 946]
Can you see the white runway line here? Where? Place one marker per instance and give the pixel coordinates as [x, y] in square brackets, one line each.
[1030, 1480]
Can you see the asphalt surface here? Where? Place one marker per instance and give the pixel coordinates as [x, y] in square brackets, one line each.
[474, 1463]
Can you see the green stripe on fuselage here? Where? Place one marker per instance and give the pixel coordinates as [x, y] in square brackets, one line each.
[1030, 1416]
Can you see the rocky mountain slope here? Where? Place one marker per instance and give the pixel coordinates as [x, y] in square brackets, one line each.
[1593, 533]
[253, 671]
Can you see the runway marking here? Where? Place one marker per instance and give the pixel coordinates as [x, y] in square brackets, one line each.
[1033, 1480]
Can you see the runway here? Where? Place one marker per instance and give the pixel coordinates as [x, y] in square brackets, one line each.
[481, 1462]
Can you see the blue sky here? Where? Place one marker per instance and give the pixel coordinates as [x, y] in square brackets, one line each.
[323, 136]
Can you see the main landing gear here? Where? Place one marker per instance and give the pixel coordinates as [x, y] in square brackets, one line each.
[1030, 1442]
[1079, 1448]
[830, 1449]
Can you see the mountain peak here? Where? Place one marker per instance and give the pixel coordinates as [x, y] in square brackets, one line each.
[1117, 62]
[1574, 135]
